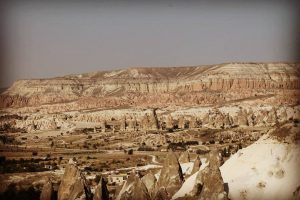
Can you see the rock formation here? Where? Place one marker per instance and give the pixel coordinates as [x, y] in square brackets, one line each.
[242, 118]
[229, 82]
[169, 122]
[101, 192]
[150, 181]
[184, 157]
[132, 125]
[73, 184]
[211, 179]
[123, 124]
[134, 188]
[181, 122]
[193, 123]
[47, 191]
[197, 165]
[149, 121]
[170, 179]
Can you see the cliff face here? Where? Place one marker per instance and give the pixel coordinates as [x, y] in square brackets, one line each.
[201, 85]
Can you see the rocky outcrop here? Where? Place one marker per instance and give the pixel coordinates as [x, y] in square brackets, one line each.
[101, 192]
[169, 122]
[159, 87]
[242, 118]
[212, 185]
[134, 188]
[132, 125]
[184, 157]
[181, 122]
[170, 178]
[194, 123]
[207, 183]
[123, 124]
[150, 181]
[73, 184]
[149, 121]
[47, 191]
[197, 165]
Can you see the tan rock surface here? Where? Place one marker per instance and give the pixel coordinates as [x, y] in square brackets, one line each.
[73, 185]
[170, 179]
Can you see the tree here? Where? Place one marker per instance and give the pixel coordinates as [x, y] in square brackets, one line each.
[130, 151]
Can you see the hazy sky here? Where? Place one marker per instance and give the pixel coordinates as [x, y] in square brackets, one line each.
[45, 39]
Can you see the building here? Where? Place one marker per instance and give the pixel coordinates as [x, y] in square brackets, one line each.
[117, 178]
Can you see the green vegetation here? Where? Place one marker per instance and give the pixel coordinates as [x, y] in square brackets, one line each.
[16, 166]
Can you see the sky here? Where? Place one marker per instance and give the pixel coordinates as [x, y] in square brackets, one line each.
[41, 39]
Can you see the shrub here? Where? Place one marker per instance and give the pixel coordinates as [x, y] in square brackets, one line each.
[2, 159]
[130, 152]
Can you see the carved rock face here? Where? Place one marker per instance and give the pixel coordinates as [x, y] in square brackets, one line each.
[73, 185]
[170, 179]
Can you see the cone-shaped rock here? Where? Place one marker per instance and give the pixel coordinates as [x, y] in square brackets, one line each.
[184, 157]
[197, 165]
[47, 191]
[73, 185]
[149, 180]
[133, 189]
[170, 179]
[101, 192]
[211, 179]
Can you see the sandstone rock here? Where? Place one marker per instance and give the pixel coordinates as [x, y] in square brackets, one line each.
[209, 183]
[149, 121]
[47, 191]
[123, 124]
[197, 165]
[181, 122]
[193, 123]
[132, 125]
[242, 118]
[170, 179]
[212, 183]
[101, 192]
[103, 126]
[133, 188]
[272, 117]
[150, 181]
[251, 118]
[73, 184]
[184, 157]
[227, 121]
[160, 87]
[169, 122]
